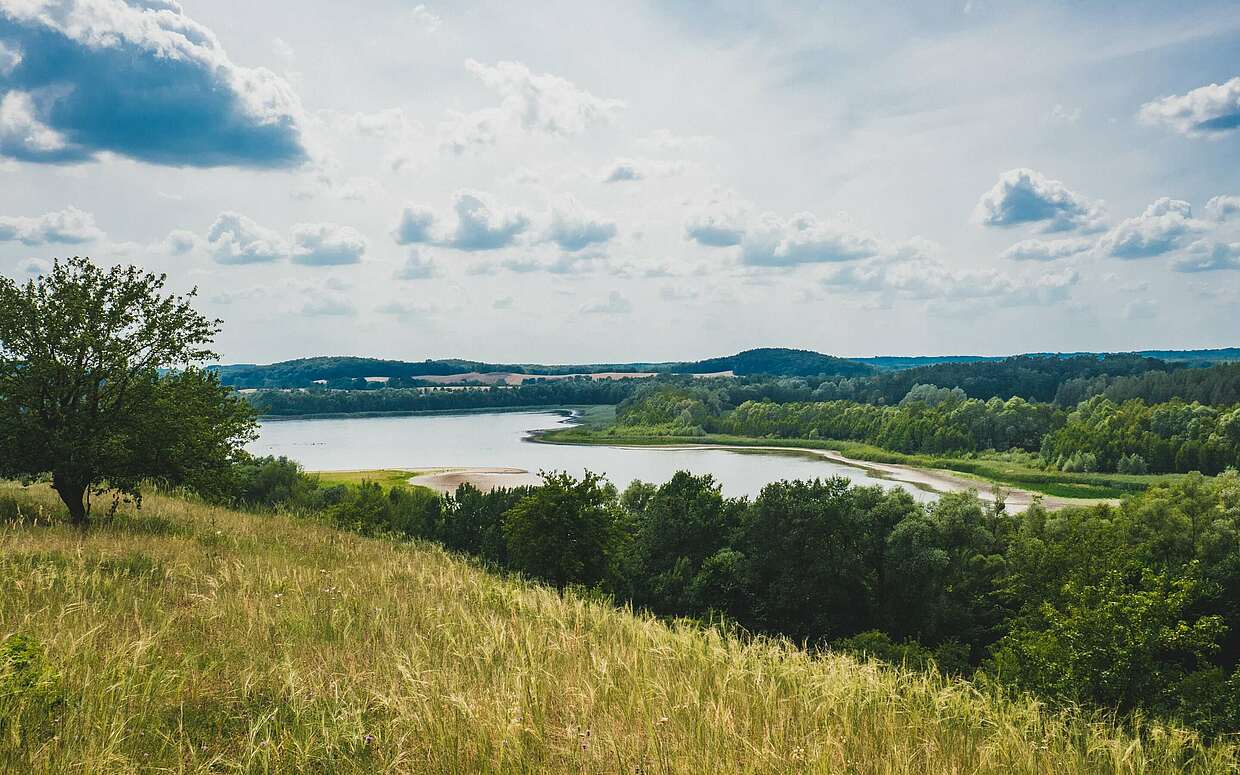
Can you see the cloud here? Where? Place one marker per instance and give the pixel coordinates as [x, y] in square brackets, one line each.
[529, 102]
[69, 226]
[326, 244]
[328, 305]
[1209, 111]
[1223, 207]
[414, 225]
[913, 272]
[140, 80]
[425, 19]
[1025, 196]
[237, 239]
[34, 267]
[1038, 250]
[416, 267]
[719, 224]
[628, 170]
[573, 228]
[1209, 256]
[401, 309]
[803, 239]
[1160, 229]
[481, 225]
[179, 242]
[1061, 115]
[615, 304]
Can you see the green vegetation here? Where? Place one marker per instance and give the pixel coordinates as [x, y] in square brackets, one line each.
[193, 638]
[85, 392]
[385, 478]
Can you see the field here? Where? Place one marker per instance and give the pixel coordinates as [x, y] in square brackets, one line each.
[192, 639]
[986, 469]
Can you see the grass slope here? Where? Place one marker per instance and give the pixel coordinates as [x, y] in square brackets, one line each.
[192, 639]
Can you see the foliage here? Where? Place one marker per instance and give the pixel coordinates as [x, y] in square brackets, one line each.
[84, 395]
[1171, 437]
[564, 531]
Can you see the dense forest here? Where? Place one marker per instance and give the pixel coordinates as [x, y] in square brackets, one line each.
[1135, 608]
[1132, 437]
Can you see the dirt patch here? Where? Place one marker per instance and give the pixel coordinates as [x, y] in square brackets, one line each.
[446, 480]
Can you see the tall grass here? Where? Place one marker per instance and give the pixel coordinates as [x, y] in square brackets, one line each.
[186, 638]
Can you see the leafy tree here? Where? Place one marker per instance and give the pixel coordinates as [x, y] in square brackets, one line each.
[99, 386]
[563, 531]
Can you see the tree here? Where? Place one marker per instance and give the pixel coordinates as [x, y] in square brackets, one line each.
[564, 531]
[100, 386]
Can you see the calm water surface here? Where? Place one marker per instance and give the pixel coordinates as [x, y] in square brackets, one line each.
[501, 440]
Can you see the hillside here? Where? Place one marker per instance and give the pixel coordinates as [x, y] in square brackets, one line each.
[305, 371]
[194, 639]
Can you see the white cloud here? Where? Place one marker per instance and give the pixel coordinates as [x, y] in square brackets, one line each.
[1160, 229]
[1025, 196]
[328, 305]
[1209, 256]
[415, 224]
[803, 239]
[626, 170]
[109, 70]
[179, 242]
[1039, 250]
[574, 228]
[327, 244]
[237, 239]
[720, 223]
[913, 272]
[425, 19]
[616, 304]
[1208, 111]
[1062, 115]
[529, 102]
[1223, 207]
[34, 267]
[482, 225]
[416, 267]
[69, 226]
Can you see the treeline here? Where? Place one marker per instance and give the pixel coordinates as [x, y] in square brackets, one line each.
[1216, 386]
[1135, 608]
[325, 401]
[1098, 436]
[1135, 437]
[1032, 377]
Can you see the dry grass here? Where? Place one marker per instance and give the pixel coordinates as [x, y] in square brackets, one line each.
[194, 639]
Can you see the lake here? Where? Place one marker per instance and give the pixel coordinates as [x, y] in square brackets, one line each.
[501, 440]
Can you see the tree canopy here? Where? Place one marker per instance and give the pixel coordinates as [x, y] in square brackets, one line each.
[100, 386]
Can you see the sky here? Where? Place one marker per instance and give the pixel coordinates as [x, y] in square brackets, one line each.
[591, 182]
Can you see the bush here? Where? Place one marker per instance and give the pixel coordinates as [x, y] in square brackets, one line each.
[1132, 464]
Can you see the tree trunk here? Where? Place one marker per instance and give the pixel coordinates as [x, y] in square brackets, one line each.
[73, 495]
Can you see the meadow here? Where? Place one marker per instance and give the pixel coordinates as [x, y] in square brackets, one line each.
[190, 638]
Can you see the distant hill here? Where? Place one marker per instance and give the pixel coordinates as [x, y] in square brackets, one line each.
[777, 361]
[772, 361]
[303, 372]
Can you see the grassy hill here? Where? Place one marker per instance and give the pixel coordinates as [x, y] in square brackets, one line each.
[186, 638]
